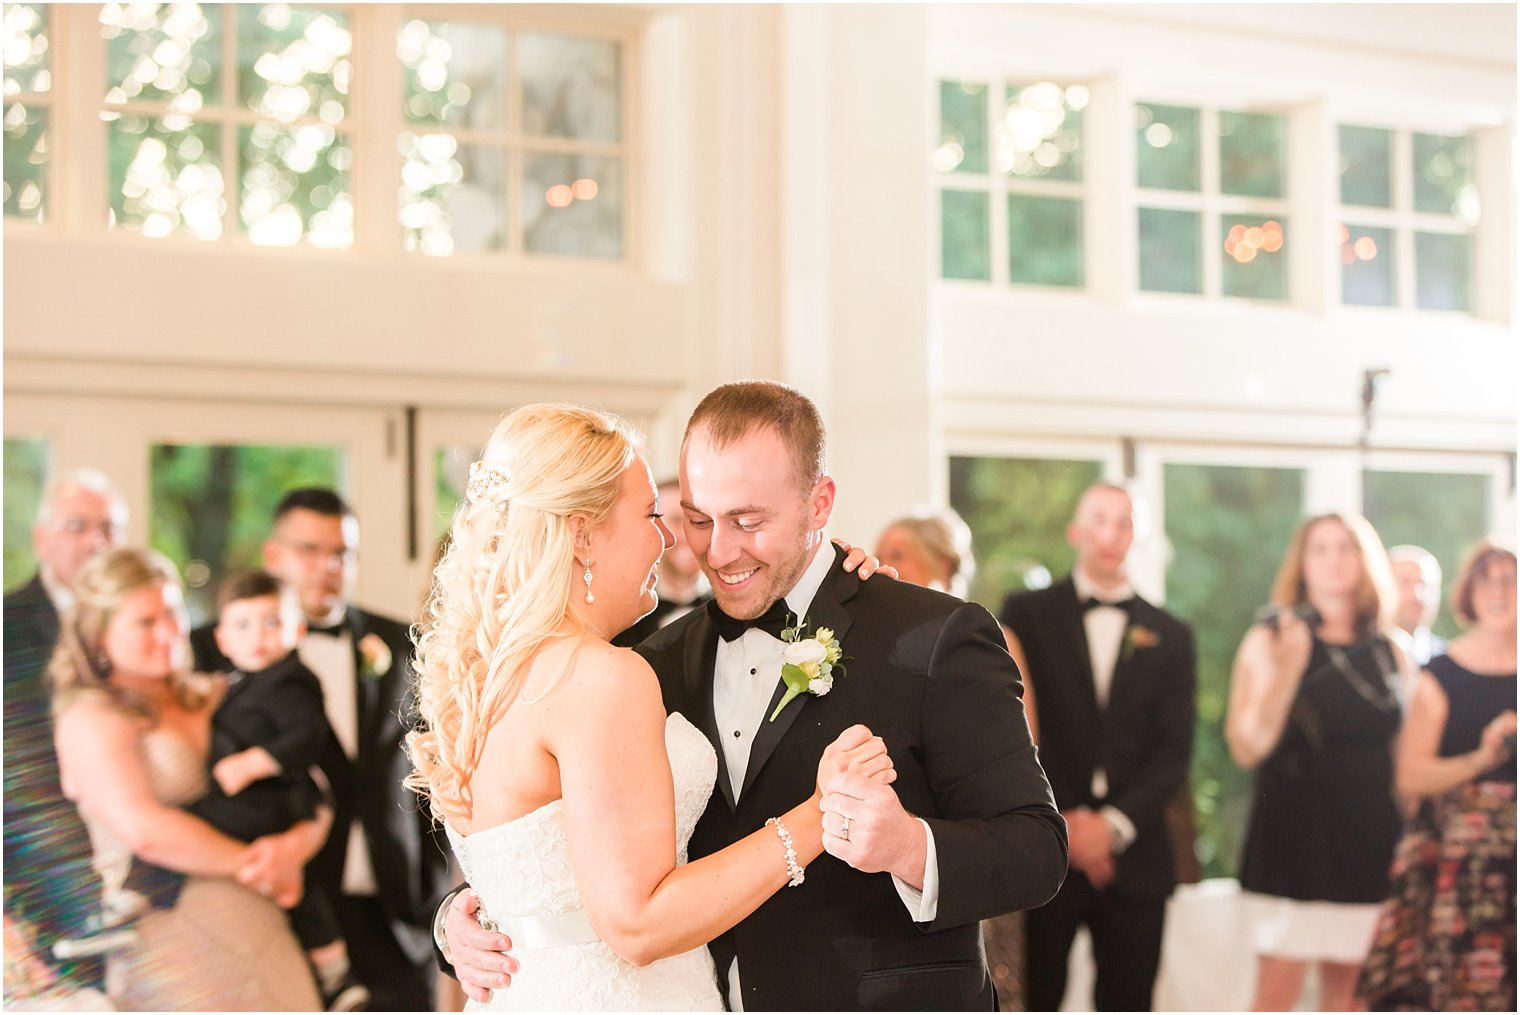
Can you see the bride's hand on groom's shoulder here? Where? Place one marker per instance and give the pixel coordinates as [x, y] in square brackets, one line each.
[857, 557]
[478, 955]
[859, 751]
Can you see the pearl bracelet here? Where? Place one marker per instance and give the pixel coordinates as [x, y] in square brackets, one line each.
[793, 868]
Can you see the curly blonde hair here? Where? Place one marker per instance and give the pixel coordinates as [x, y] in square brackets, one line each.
[79, 666]
[503, 585]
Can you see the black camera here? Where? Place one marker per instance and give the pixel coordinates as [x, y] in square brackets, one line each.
[1267, 615]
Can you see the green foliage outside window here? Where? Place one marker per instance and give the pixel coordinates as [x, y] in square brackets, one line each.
[26, 468]
[211, 506]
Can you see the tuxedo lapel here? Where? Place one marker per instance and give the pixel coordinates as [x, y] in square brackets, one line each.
[367, 696]
[826, 610]
[1076, 632]
[698, 662]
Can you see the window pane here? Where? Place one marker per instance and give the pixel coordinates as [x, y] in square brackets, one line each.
[26, 153]
[1251, 154]
[295, 186]
[1040, 134]
[26, 49]
[212, 504]
[1446, 513]
[965, 234]
[962, 128]
[1227, 528]
[166, 177]
[1170, 260]
[456, 74]
[1255, 264]
[573, 205]
[1044, 240]
[1366, 166]
[293, 61]
[1167, 147]
[26, 467]
[1441, 270]
[452, 195]
[163, 52]
[1017, 510]
[1367, 266]
[1443, 176]
[571, 87]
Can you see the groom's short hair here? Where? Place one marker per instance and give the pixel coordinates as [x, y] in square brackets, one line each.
[732, 411]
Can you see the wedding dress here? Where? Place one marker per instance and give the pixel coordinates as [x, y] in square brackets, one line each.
[521, 872]
[221, 947]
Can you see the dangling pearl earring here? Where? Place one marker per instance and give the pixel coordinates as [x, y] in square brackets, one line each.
[587, 579]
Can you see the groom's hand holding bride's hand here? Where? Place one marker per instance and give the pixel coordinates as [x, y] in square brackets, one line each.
[865, 825]
[477, 954]
[856, 750]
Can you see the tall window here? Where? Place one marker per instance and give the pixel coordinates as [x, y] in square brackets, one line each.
[28, 99]
[26, 471]
[1212, 217]
[516, 141]
[1011, 187]
[1408, 209]
[229, 118]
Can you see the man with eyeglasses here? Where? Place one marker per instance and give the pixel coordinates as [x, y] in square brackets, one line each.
[50, 882]
[384, 863]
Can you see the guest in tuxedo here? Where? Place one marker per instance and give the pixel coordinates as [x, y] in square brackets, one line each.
[49, 881]
[384, 864]
[1115, 678]
[1417, 575]
[682, 588]
[890, 919]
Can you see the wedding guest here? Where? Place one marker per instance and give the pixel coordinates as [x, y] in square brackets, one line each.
[266, 735]
[132, 730]
[49, 882]
[1314, 708]
[1417, 576]
[932, 550]
[1446, 937]
[1115, 678]
[384, 863]
[682, 587]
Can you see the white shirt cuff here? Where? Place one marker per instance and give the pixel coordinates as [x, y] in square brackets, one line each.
[923, 905]
[1123, 827]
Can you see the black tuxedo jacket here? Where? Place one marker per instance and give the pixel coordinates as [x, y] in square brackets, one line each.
[279, 709]
[49, 878]
[408, 853]
[931, 675]
[1143, 738]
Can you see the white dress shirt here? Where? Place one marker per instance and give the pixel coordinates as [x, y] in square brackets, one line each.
[331, 658]
[1105, 627]
[745, 675]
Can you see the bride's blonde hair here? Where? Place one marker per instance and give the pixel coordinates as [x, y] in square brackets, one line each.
[503, 585]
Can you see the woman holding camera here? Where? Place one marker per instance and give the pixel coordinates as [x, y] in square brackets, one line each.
[1314, 709]
[1446, 939]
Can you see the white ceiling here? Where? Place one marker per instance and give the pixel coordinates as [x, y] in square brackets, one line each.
[1477, 32]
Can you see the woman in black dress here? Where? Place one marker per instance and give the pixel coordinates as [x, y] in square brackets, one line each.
[1314, 709]
[1446, 938]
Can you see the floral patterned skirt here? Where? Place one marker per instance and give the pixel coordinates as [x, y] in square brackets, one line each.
[1446, 938]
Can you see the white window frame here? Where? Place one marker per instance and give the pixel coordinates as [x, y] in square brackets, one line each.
[48, 100]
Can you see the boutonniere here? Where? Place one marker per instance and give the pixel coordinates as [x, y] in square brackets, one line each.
[809, 663]
[374, 657]
[1137, 638]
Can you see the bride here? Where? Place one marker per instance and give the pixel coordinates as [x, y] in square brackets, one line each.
[567, 793]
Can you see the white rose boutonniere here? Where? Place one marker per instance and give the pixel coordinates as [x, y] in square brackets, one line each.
[808, 664]
[374, 657]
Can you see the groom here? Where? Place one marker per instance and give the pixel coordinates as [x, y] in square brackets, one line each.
[970, 830]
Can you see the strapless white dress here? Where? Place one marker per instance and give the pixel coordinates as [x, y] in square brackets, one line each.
[521, 872]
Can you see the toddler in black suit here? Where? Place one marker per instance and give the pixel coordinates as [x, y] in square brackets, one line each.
[266, 737]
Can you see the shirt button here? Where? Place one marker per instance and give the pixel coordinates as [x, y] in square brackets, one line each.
[752, 671]
[736, 733]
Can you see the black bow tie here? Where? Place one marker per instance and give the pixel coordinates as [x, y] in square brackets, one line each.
[333, 631]
[1092, 602]
[771, 621]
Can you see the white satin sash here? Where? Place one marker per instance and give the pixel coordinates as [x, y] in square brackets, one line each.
[550, 930]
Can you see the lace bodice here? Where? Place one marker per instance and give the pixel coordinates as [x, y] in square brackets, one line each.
[521, 872]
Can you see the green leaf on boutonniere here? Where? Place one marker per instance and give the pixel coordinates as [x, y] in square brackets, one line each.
[796, 680]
